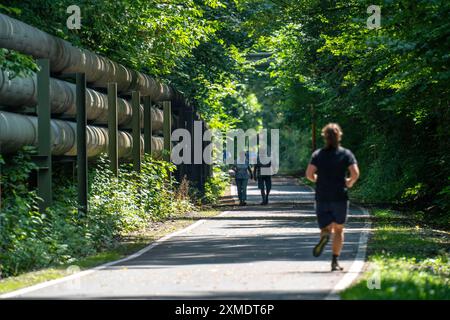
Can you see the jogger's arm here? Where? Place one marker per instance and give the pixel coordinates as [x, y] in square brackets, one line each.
[354, 175]
[311, 173]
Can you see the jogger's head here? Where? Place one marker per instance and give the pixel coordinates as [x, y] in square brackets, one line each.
[332, 133]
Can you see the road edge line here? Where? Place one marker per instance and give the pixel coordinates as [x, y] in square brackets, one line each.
[77, 275]
[358, 263]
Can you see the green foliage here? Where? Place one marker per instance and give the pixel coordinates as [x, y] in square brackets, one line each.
[388, 88]
[30, 240]
[16, 63]
[20, 220]
[196, 44]
[151, 35]
[215, 185]
[411, 261]
[405, 279]
[295, 150]
[444, 200]
[200, 46]
[133, 200]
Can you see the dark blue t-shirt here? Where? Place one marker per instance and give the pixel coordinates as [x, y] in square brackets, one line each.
[332, 165]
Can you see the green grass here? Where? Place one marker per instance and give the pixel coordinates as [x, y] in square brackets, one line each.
[303, 180]
[127, 246]
[412, 261]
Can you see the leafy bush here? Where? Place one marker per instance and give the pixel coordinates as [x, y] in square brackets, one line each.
[20, 220]
[31, 240]
[133, 200]
[215, 185]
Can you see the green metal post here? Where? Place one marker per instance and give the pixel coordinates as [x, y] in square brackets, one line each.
[82, 163]
[112, 129]
[136, 130]
[180, 124]
[44, 135]
[148, 125]
[167, 129]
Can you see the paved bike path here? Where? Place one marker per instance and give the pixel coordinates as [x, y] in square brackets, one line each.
[253, 252]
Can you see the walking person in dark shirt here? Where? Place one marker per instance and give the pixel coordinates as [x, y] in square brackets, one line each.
[328, 169]
[264, 178]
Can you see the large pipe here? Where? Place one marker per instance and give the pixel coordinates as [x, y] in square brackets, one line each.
[66, 58]
[22, 92]
[18, 130]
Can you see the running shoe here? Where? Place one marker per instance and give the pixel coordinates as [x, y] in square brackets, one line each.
[318, 249]
[335, 266]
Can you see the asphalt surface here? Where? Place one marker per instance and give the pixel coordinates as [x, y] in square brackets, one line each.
[252, 252]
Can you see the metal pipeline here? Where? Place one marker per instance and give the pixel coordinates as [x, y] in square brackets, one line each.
[18, 130]
[22, 92]
[66, 58]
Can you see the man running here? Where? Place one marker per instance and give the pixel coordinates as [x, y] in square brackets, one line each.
[328, 169]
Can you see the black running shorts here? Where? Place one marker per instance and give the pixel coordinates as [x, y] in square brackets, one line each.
[331, 211]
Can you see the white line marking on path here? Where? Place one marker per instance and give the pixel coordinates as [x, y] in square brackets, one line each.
[360, 259]
[357, 265]
[154, 244]
[350, 276]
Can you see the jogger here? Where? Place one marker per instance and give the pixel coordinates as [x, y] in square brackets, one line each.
[328, 168]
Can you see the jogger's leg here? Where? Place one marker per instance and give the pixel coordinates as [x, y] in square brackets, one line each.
[324, 238]
[338, 238]
[338, 241]
[325, 231]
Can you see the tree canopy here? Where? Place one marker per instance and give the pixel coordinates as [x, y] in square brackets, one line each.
[388, 87]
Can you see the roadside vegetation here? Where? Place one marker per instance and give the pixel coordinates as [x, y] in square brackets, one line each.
[118, 208]
[155, 38]
[387, 87]
[125, 246]
[407, 259]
